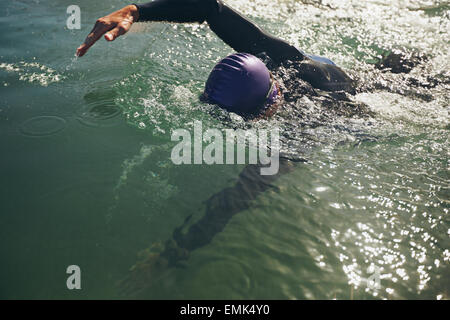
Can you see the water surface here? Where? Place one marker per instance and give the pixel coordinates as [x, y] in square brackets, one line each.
[86, 175]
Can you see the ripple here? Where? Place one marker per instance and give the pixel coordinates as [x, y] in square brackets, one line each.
[42, 126]
[100, 109]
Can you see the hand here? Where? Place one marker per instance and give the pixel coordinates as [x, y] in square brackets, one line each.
[112, 26]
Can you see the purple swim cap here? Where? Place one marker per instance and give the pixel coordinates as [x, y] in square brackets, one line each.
[240, 83]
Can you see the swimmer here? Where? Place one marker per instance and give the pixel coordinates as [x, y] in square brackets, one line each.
[248, 83]
[240, 83]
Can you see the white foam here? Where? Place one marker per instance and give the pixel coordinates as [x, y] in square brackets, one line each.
[33, 72]
[395, 107]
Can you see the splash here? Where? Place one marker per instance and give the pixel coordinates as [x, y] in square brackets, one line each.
[145, 181]
[396, 108]
[130, 164]
[33, 72]
[72, 63]
[379, 158]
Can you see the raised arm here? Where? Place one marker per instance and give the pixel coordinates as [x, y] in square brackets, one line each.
[234, 29]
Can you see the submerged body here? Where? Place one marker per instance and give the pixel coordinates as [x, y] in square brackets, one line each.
[298, 75]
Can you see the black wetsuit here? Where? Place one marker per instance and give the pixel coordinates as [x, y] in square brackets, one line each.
[298, 74]
[244, 36]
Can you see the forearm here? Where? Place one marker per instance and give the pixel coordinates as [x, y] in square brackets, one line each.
[234, 29]
[179, 11]
[245, 36]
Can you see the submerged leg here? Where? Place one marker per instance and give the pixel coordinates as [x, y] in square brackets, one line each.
[222, 206]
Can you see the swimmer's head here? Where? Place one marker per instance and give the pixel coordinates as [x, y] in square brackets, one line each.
[241, 83]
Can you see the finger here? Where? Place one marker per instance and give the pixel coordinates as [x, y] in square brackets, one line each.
[100, 28]
[116, 32]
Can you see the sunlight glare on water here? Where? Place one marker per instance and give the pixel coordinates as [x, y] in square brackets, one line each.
[365, 216]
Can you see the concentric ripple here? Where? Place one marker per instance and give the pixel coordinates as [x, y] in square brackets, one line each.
[43, 126]
[100, 109]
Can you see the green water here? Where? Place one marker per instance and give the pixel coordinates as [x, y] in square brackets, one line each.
[87, 180]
